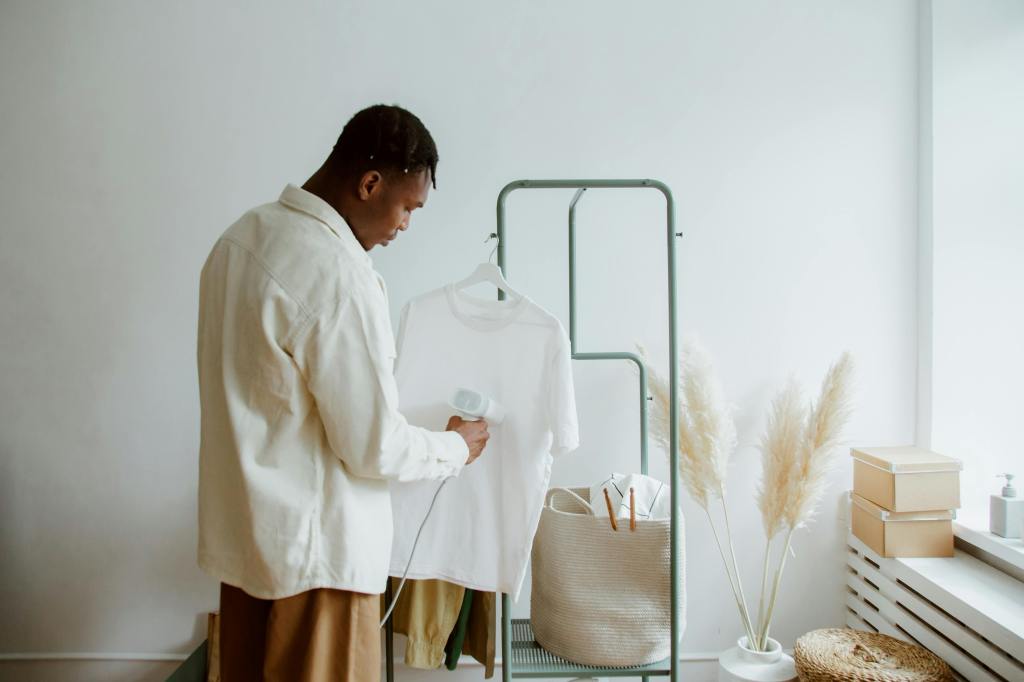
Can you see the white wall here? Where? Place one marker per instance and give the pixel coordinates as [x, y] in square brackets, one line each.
[134, 133]
[978, 240]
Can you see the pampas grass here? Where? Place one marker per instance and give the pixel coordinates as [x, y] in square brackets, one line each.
[796, 451]
[707, 435]
[707, 439]
[795, 470]
[827, 420]
[782, 440]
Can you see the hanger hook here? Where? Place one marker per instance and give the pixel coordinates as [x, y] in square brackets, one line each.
[494, 236]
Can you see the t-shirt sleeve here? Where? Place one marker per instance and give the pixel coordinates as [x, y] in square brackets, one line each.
[562, 418]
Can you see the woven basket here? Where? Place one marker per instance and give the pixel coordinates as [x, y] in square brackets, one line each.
[844, 654]
[601, 597]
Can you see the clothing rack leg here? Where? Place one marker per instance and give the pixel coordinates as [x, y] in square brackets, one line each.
[506, 638]
[389, 639]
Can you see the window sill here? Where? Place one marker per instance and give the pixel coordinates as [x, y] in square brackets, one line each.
[1006, 555]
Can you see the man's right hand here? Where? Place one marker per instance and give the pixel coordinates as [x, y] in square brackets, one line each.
[474, 433]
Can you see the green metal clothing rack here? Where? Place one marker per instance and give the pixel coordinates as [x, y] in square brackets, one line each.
[521, 656]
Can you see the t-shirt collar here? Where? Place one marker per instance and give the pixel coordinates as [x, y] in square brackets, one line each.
[310, 204]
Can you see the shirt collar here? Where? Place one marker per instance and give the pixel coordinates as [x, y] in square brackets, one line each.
[301, 200]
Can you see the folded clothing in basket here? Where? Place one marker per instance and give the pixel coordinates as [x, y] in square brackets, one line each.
[653, 500]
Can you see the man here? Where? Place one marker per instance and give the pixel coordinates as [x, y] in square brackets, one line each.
[300, 424]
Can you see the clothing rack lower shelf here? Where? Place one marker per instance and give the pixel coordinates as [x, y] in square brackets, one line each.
[530, 660]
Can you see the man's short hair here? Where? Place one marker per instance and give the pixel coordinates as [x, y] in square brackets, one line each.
[388, 139]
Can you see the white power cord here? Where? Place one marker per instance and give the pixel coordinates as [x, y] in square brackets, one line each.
[412, 552]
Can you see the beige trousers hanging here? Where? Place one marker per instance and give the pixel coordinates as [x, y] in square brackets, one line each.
[316, 636]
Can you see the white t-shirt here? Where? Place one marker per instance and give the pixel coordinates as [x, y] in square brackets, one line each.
[481, 529]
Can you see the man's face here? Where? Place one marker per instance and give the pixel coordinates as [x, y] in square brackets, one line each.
[390, 201]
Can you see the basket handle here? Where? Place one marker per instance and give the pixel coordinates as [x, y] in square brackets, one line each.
[552, 491]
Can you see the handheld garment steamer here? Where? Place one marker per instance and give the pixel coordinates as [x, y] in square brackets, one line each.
[471, 406]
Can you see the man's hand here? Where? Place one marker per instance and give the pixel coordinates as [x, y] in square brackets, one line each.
[474, 433]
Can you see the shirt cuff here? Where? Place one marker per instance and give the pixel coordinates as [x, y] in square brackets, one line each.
[455, 453]
[565, 441]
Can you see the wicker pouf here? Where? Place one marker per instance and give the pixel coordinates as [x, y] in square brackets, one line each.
[844, 654]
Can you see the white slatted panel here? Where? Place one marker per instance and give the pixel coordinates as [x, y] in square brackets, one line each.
[893, 597]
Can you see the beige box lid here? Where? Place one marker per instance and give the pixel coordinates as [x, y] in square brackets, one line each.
[886, 515]
[906, 459]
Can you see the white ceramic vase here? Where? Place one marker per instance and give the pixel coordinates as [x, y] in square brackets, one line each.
[742, 664]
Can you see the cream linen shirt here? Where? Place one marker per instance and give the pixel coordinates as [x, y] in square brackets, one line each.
[300, 428]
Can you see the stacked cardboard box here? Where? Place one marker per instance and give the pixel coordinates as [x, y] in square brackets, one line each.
[903, 500]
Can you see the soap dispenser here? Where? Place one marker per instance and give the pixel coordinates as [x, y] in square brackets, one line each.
[1006, 511]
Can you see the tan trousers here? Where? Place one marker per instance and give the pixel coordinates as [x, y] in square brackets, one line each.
[322, 635]
[426, 613]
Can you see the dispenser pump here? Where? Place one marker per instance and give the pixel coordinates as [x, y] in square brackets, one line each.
[1008, 489]
[1006, 512]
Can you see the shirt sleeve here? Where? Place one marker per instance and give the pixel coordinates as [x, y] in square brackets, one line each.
[346, 355]
[562, 418]
[400, 338]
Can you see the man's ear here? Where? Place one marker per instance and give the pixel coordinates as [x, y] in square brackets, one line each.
[369, 183]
